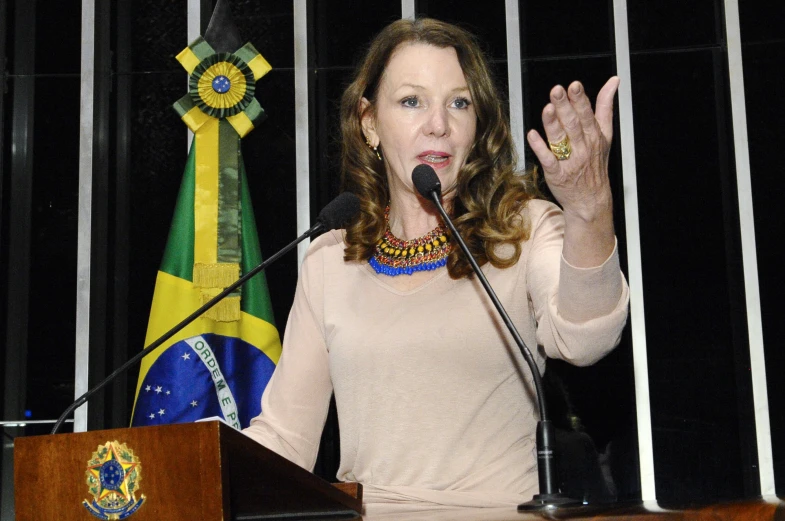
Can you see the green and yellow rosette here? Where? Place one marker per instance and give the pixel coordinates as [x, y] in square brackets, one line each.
[220, 109]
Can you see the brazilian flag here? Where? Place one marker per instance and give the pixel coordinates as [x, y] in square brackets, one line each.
[212, 367]
[220, 363]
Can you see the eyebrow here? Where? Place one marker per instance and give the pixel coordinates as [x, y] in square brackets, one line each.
[420, 87]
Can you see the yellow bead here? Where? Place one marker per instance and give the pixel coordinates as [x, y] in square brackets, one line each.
[435, 243]
[420, 249]
[443, 238]
[428, 247]
[397, 252]
[411, 252]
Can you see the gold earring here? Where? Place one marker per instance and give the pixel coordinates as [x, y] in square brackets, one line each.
[375, 148]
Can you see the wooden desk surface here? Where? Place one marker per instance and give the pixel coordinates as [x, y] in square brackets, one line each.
[765, 509]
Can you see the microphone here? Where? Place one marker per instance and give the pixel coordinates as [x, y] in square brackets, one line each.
[428, 185]
[337, 214]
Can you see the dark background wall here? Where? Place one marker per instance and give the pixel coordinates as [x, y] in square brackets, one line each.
[696, 323]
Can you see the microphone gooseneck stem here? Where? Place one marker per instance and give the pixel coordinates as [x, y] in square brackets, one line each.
[185, 322]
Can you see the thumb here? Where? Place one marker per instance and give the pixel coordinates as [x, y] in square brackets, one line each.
[604, 108]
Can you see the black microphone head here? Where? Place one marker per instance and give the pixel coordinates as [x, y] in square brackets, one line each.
[340, 211]
[426, 181]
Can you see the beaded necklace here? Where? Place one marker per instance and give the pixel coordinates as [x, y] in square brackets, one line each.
[394, 256]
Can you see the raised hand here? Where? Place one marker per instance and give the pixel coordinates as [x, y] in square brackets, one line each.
[575, 165]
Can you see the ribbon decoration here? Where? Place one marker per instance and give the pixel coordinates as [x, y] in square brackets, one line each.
[220, 109]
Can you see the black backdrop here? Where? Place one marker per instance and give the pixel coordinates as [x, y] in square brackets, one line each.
[696, 322]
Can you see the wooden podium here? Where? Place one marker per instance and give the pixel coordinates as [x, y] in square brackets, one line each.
[196, 471]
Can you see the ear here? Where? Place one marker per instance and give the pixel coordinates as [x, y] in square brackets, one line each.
[368, 122]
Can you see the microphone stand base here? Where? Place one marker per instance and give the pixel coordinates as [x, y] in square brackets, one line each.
[549, 502]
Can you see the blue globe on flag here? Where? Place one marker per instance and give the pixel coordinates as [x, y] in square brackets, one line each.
[204, 376]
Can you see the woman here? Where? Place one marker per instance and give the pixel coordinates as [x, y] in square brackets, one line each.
[435, 403]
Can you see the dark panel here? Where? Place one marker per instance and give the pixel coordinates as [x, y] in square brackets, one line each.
[53, 228]
[336, 43]
[59, 26]
[761, 21]
[487, 23]
[269, 26]
[601, 397]
[674, 24]
[765, 113]
[341, 31]
[159, 33]
[119, 217]
[157, 151]
[155, 146]
[694, 337]
[565, 28]
[151, 151]
[328, 84]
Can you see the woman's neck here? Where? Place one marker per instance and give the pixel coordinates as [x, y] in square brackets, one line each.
[412, 217]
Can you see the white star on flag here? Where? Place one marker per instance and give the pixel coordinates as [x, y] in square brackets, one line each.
[147, 388]
[194, 403]
[161, 412]
[158, 389]
[186, 356]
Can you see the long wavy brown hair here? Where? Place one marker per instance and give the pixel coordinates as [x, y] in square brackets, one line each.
[489, 194]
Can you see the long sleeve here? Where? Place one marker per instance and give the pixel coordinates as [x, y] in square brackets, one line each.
[296, 400]
[580, 312]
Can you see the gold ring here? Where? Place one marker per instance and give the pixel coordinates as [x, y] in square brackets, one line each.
[562, 149]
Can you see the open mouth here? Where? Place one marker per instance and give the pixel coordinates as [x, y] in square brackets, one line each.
[434, 159]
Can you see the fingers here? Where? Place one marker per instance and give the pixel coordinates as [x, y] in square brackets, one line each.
[565, 118]
[582, 106]
[543, 152]
[570, 113]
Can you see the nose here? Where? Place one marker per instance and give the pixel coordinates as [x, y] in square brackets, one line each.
[437, 124]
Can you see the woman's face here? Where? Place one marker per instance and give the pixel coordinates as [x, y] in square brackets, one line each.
[423, 115]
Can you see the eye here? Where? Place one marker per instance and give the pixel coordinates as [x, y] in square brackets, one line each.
[461, 103]
[411, 102]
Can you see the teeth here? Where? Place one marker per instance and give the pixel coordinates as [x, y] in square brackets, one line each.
[435, 159]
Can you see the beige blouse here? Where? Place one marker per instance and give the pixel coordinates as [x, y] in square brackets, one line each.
[435, 402]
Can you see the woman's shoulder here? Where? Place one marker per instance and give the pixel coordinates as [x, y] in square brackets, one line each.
[330, 239]
[327, 246]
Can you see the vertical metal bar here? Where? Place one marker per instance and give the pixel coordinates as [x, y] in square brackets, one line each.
[194, 17]
[84, 230]
[302, 164]
[514, 77]
[3, 88]
[749, 250]
[408, 9]
[635, 270]
[20, 200]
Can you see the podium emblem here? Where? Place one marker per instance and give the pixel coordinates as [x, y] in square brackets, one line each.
[113, 476]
